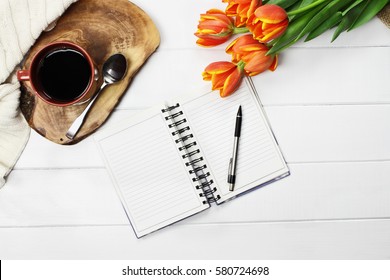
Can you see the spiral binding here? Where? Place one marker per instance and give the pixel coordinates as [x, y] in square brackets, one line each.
[190, 152]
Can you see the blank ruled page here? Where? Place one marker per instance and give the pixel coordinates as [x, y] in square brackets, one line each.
[152, 182]
[212, 119]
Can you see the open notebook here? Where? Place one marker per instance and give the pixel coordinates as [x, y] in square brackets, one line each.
[171, 161]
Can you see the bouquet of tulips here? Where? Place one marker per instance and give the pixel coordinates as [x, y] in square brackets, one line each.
[272, 26]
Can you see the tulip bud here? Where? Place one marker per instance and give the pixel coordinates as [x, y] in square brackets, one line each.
[241, 9]
[224, 76]
[214, 28]
[268, 22]
[253, 54]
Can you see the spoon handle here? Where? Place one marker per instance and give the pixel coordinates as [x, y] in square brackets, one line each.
[76, 125]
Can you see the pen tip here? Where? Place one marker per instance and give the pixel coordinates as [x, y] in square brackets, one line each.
[239, 111]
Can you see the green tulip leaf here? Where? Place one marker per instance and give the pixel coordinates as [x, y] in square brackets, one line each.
[293, 30]
[371, 9]
[323, 15]
[330, 9]
[314, 17]
[298, 5]
[349, 18]
[353, 5]
[326, 25]
[283, 3]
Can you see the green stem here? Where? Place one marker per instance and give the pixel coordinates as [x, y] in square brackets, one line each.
[239, 30]
[241, 65]
[306, 8]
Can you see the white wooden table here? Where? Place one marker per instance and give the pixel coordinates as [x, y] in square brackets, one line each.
[329, 106]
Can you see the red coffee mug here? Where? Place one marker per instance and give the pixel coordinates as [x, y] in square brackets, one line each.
[61, 74]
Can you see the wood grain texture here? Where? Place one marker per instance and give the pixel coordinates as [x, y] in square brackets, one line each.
[313, 192]
[103, 28]
[367, 239]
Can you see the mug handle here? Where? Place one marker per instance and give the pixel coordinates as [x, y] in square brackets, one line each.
[23, 75]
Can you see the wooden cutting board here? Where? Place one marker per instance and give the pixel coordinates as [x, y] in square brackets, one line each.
[102, 28]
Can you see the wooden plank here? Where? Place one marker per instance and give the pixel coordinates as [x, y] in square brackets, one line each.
[308, 240]
[305, 76]
[178, 23]
[42, 153]
[327, 76]
[311, 192]
[332, 133]
[59, 197]
[305, 134]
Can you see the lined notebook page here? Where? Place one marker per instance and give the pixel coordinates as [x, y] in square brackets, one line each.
[151, 180]
[212, 120]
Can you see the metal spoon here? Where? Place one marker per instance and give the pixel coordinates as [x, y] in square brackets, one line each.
[114, 70]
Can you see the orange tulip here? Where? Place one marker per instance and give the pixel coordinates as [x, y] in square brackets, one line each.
[224, 76]
[214, 28]
[241, 9]
[253, 54]
[243, 45]
[268, 22]
[258, 62]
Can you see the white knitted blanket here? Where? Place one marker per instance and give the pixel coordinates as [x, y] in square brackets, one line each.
[21, 22]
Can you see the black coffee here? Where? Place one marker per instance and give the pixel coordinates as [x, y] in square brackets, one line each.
[64, 74]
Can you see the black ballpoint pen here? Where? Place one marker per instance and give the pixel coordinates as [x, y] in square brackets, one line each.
[233, 160]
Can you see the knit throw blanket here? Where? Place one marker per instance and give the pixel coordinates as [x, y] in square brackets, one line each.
[21, 23]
